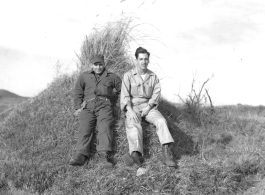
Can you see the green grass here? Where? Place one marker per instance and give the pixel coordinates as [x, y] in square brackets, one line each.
[225, 155]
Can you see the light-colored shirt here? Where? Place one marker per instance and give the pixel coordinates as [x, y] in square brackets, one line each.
[138, 90]
[143, 76]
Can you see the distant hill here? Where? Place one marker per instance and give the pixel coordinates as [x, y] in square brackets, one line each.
[7, 102]
[7, 94]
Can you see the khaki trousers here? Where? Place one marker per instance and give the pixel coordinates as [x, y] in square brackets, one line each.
[135, 133]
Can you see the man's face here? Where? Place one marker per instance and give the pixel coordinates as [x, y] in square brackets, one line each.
[98, 67]
[142, 61]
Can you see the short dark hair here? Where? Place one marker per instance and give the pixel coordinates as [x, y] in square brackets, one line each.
[141, 50]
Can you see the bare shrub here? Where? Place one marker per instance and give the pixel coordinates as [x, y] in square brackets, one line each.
[196, 104]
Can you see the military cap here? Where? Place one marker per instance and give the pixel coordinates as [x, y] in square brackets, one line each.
[97, 58]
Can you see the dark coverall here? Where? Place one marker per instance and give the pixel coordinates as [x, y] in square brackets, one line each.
[98, 110]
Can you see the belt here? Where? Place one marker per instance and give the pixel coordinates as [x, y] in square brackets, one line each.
[97, 97]
[102, 98]
[94, 98]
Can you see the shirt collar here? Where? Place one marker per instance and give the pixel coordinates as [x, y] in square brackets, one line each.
[149, 72]
[105, 72]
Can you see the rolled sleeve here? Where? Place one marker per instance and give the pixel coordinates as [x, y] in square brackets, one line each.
[154, 100]
[125, 92]
[79, 92]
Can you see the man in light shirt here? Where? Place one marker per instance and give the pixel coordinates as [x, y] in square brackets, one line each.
[140, 94]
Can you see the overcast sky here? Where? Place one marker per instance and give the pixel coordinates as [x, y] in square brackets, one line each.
[192, 39]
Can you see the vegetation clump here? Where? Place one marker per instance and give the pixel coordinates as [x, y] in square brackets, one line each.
[112, 41]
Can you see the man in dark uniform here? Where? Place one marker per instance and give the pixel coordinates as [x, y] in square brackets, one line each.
[92, 103]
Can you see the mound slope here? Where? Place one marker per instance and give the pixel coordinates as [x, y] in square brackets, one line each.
[39, 138]
[7, 102]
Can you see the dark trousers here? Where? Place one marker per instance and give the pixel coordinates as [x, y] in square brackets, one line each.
[89, 119]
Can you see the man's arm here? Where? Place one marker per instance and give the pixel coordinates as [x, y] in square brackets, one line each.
[154, 100]
[126, 104]
[79, 92]
[117, 86]
[125, 98]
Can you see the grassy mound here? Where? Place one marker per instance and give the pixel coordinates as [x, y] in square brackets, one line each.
[223, 156]
[39, 137]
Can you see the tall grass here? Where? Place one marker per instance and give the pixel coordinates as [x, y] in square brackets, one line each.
[230, 144]
[230, 159]
[113, 42]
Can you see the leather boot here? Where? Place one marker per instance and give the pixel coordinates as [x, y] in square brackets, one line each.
[103, 160]
[78, 160]
[127, 159]
[136, 157]
[167, 157]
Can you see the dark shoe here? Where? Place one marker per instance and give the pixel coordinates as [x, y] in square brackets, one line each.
[128, 160]
[136, 157]
[103, 159]
[167, 157]
[78, 160]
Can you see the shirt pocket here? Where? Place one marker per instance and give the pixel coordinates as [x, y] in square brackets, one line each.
[135, 89]
[107, 88]
[148, 89]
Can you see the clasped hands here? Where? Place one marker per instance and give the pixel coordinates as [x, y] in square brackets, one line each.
[136, 116]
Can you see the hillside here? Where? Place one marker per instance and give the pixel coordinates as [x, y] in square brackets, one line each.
[224, 156]
[7, 94]
[218, 151]
[8, 101]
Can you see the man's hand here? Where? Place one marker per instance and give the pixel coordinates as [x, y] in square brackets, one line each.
[83, 105]
[77, 112]
[116, 111]
[134, 115]
[145, 111]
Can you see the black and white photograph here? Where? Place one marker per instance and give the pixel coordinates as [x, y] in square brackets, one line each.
[124, 97]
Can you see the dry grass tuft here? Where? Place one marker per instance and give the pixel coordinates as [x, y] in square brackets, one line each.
[112, 41]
